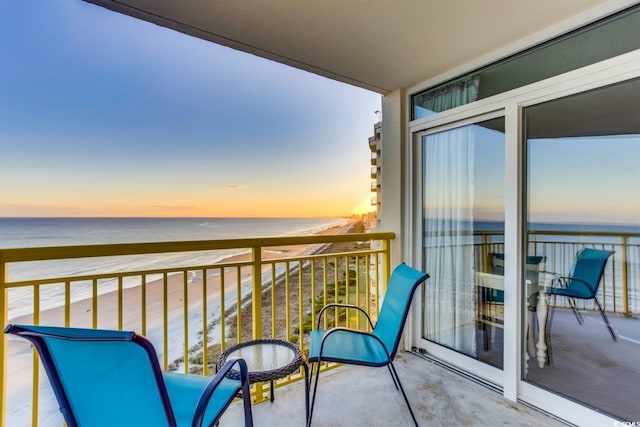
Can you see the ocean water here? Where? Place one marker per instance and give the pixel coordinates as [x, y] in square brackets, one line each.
[44, 232]
[38, 232]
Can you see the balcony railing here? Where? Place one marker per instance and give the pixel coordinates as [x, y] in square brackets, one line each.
[191, 312]
[620, 290]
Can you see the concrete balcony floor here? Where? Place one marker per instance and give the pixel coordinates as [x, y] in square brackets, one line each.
[364, 396]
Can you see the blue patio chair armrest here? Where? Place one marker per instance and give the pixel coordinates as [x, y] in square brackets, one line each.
[354, 331]
[337, 304]
[557, 279]
[567, 281]
[72, 334]
[563, 282]
[553, 273]
[198, 416]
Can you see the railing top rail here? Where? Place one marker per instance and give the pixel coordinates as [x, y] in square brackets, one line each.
[181, 268]
[565, 233]
[87, 251]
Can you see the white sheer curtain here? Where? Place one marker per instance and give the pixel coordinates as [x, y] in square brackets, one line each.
[449, 304]
[449, 96]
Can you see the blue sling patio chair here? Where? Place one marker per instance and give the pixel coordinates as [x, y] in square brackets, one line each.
[583, 283]
[112, 378]
[376, 348]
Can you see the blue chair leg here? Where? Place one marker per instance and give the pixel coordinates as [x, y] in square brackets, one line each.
[572, 303]
[315, 389]
[246, 402]
[397, 378]
[547, 330]
[392, 377]
[606, 319]
[306, 389]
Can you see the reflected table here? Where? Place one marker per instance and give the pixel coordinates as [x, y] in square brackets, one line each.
[268, 360]
[495, 281]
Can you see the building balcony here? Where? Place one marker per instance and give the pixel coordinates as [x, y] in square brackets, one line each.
[373, 143]
[189, 297]
[274, 291]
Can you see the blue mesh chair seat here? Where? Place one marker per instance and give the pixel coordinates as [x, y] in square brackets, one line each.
[347, 346]
[582, 283]
[376, 348]
[109, 378]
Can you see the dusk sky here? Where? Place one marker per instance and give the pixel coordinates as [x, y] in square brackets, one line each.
[105, 115]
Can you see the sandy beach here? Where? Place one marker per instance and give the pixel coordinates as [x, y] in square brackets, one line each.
[178, 286]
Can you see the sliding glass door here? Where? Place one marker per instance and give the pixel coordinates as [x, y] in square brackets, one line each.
[583, 207]
[462, 194]
[505, 189]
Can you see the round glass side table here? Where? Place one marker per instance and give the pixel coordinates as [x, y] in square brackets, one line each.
[268, 360]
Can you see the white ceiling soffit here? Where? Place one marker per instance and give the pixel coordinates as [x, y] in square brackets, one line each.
[380, 45]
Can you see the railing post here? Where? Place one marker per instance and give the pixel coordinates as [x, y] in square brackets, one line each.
[386, 264]
[256, 282]
[256, 308]
[4, 294]
[625, 278]
[485, 253]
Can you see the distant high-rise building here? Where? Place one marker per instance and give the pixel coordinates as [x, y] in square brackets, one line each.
[375, 145]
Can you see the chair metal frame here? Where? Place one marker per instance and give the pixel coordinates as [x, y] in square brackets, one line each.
[401, 273]
[37, 334]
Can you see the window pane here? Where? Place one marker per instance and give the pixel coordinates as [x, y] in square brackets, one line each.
[463, 220]
[583, 201]
[605, 39]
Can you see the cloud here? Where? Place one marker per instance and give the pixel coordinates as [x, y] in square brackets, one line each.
[235, 187]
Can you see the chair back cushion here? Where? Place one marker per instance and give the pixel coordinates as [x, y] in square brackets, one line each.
[393, 313]
[588, 268]
[108, 377]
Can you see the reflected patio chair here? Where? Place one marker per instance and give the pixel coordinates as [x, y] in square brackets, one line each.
[112, 378]
[376, 348]
[583, 283]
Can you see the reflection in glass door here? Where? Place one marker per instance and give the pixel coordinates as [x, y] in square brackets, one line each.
[583, 203]
[463, 231]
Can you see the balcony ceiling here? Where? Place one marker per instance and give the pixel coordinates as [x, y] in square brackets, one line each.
[378, 45]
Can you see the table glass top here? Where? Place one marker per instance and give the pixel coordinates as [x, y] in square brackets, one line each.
[264, 356]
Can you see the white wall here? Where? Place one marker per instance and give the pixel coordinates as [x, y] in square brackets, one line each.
[391, 170]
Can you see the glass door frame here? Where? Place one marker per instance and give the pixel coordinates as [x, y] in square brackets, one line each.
[509, 104]
[492, 375]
